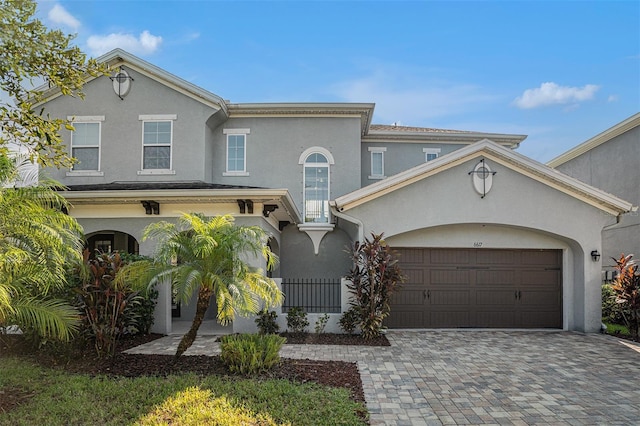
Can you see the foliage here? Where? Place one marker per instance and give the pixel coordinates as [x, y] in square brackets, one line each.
[297, 321]
[207, 256]
[626, 287]
[321, 323]
[267, 322]
[349, 320]
[62, 398]
[31, 53]
[616, 329]
[373, 279]
[37, 242]
[196, 406]
[109, 308]
[250, 353]
[611, 310]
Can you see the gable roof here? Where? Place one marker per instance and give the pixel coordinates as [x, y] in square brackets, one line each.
[119, 57]
[620, 128]
[504, 156]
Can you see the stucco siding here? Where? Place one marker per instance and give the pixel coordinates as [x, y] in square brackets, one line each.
[399, 157]
[274, 147]
[121, 130]
[614, 167]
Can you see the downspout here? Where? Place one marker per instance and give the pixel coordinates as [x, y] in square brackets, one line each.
[355, 221]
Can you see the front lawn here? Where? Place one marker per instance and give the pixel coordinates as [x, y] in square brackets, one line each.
[56, 397]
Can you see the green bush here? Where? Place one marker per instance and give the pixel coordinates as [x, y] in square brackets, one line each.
[250, 353]
[297, 321]
[267, 323]
[349, 321]
[611, 310]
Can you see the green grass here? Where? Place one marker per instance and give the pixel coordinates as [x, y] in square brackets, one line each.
[61, 398]
[617, 329]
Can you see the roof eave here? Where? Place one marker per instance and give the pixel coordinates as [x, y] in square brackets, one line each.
[620, 128]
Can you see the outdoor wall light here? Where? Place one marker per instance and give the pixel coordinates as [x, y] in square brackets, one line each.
[595, 255]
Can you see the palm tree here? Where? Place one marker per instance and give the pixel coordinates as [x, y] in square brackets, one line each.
[209, 256]
[37, 242]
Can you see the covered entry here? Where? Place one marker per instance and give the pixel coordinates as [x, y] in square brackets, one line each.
[449, 287]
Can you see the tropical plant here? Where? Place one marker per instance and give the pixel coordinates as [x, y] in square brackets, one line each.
[37, 242]
[267, 322]
[372, 280]
[208, 256]
[111, 308]
[250, 353]
[349, 320]
[31, 52]
[297, 321]
[626, 287]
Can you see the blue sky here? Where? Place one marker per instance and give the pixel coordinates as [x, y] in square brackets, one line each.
[557, 71]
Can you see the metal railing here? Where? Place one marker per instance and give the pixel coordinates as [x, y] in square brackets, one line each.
[313, 295]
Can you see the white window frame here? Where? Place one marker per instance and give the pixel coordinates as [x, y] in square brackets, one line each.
[381, 151]
[432, 151]
[87, 119]
[147, 118]
[235, 132]
[303, 161]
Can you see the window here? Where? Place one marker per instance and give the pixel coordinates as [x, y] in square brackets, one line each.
[157, 139]
[236, 152]
[431, 153]
[85, 143]
[377, 162]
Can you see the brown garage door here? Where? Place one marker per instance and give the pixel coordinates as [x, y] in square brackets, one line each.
[478, 288]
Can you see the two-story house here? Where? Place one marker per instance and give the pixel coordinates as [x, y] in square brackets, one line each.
[487, 237]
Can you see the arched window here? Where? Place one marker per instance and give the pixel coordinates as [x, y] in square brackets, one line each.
[316, 188]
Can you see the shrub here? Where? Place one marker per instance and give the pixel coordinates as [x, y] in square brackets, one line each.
[250, 353]
[109, 311]
[373, 279]
[611, 311]
[626, 287]
[297, 320]
[267, 323]
[321, 323]
[349, 321]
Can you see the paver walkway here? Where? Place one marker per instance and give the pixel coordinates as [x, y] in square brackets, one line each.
[482, 377]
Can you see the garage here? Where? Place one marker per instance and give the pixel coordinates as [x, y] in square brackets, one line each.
[462, 287]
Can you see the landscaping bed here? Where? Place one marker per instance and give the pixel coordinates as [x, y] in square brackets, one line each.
[82, 359]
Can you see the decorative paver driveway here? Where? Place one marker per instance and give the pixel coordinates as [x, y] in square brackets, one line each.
[483, 377]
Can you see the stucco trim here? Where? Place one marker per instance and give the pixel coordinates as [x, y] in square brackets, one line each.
[500, 154]
[620, 128]
[174, 196]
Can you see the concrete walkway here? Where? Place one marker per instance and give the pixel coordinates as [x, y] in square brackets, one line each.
[482, 377]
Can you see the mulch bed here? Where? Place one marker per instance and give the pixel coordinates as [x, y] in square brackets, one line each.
[82, 359]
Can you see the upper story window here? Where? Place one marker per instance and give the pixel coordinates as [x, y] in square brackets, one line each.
[377, 162]
[85, 144]
[236, 152]
[431, 153]
[316, 162]
[157, 143]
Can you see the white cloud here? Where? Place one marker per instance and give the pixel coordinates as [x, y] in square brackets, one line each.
[145, 43]
[612, 98]
[404, 98]
[551, 93]
[59, 15]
